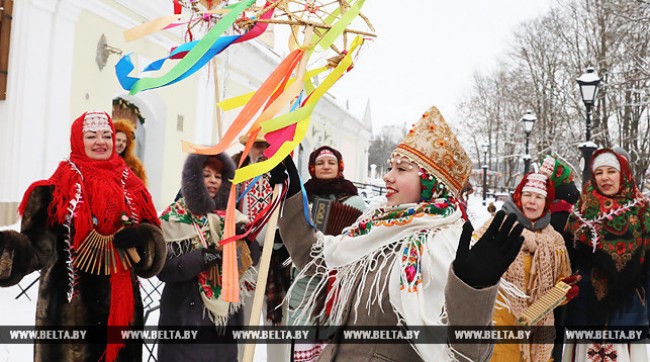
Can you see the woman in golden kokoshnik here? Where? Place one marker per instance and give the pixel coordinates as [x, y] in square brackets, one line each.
[407, 261]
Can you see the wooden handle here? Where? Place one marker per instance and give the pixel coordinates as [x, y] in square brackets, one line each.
[133, 255]
[262, 276]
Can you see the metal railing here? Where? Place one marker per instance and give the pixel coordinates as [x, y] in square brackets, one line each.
[367, 190]
[150, 292]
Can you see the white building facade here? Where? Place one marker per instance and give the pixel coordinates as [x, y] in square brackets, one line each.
[54, 76]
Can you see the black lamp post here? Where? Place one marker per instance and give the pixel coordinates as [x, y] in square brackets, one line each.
[485, 147]
[588, 83]
[528, 120]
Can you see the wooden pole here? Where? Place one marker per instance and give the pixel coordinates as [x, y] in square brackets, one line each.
[314, 24]
[217, 99]
[263, 273]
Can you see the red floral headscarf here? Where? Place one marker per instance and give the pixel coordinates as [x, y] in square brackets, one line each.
[610, 234]
[593, 205]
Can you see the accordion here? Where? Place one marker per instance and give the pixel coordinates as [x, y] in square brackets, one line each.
[331, 217]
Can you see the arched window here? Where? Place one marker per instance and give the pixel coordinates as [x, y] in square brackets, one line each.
[123, 109]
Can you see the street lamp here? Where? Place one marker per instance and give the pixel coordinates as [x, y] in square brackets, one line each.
[485, 147]
[588, 83]
[528, 120]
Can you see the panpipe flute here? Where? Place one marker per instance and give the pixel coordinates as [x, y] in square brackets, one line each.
[133, 254]
[97, 255]
[544, 305]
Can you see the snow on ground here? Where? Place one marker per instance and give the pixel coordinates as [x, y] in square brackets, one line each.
[15, 227]
[20, 310]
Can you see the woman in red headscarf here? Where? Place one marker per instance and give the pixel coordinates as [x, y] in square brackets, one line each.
[90, 229]
[327, 180]
[542, 261]
[611, 229]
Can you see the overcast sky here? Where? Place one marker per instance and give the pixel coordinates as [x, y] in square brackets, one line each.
[426, 53]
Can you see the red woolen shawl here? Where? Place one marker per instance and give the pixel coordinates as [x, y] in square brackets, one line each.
[107, 188]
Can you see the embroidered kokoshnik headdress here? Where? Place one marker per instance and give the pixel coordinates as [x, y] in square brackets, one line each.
[404, 250]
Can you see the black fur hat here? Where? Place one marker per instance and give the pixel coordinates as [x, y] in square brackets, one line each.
[193, 188]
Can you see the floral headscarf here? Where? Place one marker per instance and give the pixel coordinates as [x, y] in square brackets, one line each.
[610, 233]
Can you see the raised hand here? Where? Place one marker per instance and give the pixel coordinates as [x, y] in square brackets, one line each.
[286, 169]
[278, 174]
[484, 264]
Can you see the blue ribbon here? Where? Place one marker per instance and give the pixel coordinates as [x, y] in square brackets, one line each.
[125, 66]
[248, 188]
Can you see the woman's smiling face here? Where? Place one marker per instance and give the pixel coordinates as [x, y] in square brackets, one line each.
[608, 180]
[98, 145]
[402, 182]
[532, 204]
[212, 180]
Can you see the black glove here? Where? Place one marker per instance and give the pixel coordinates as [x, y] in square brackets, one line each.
[294, 179]
[277, 240]
[211, 257]
[484, 264]
[279, 174]
[241, 228]
[128, 237]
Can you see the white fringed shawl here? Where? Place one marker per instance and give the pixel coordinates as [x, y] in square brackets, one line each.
[407, 256]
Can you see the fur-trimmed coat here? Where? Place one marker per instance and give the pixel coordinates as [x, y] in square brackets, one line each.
[181, 303]
[39, 246]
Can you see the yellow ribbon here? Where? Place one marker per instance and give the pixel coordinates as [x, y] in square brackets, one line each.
[340, 26]
[300, 117]
[241, 100]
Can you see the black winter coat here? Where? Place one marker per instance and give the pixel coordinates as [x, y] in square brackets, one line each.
[181, 306]
[558, 221]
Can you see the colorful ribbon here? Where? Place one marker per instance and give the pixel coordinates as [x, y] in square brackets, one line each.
[241, 100]
[190, 63]
[285, 132]
[261, 96]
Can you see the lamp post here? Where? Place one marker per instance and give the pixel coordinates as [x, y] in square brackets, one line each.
[588, 83]
[528, 120]
[485, 147]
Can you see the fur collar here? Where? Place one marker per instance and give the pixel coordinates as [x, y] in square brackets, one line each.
[339, 187]
[193, 189]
